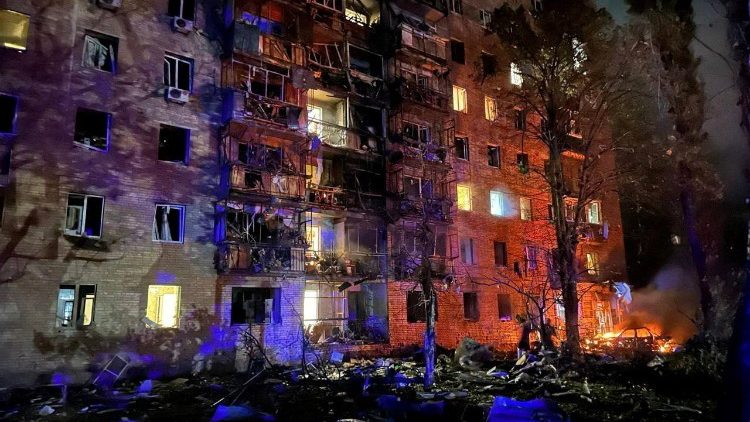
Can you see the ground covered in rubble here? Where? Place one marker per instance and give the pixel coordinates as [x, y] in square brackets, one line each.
[388, 389]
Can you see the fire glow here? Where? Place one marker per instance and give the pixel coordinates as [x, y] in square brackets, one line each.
[631, 340]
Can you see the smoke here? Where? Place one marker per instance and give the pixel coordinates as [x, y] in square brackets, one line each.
[667, 305]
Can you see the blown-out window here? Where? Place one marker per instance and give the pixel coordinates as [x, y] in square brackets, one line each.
[75, 305]
[100, 52]
[168, 223]
[178, 72]
[84, 215]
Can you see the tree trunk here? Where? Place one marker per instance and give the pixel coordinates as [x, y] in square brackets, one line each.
[429, 337]
[544, 329]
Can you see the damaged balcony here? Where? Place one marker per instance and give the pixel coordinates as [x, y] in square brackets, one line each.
[431, 10]
[423, 42]
[338, 123]
[262, 42]
[261, 169]
[424, 196]
[422, 86]
[408, 247]
[363, 13]
[418, 141]
[258, 239]
[361, 189]
[262, 94]
[340, 249]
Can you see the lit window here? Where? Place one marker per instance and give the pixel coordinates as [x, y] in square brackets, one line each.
[169, 221]
[496, 203]
[463, 194]
[525, 207]
[594, 212]
[592, 263]
[84, 215]
[257, 305]
[173, 144]
[92, 129]
[516, 78]
[356, 17]
[467, 251]
[163, 306]
[493, 156]
[485, 18]
[14, 29]
[313, 238]
[490, 108]
[100, 52]
[178, 72]
[184, 9]
[75, 305]
[462, 148]
[459, 99]
[8, 112]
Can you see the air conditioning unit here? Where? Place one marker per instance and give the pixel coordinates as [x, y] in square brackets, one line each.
[109, 4]
[177, 95]
[182, 25]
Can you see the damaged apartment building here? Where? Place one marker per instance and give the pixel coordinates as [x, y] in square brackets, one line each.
[220, 166]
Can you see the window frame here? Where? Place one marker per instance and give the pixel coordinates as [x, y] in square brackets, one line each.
[467, 204]
[182, 10]
[183, 213]
[529, 215]
[108, 136]
[188, 135]
[593, 267]
[465, 152]
[504, 258]
[178, 305]
[274, 294]
[473, 303]
[456, 6]
[509, 303]
[490, 108]
[493, 157]
[499, 209]
[468, 257]
[83, 213]
[114, 61]
[516, 76]
[25, 30]
[597, 204]
[177, 60]
[460, 99]
[76, 308]
[485, 18]
[455, 53]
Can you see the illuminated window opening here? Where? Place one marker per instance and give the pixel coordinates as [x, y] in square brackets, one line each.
[14, 30]
[463, 193]
[163, 306]
[75, 306]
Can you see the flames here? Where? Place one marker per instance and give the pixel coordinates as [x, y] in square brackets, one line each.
[630, 340]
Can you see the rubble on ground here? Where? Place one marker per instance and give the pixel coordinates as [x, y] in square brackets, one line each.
[471, 385]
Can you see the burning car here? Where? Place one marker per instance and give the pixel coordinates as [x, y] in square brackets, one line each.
[630, 342]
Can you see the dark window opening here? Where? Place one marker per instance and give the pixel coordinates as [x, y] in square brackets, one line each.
[178, 72]
[416, 307]
[520, 119]
[489, 64]
[493, 156]
[84, 215]
[501, 254]
[458, 54]
[184, 9]
[92, 129]
[365, 62]
[462, 148]
[254, 305]
[8, 106]
[457, 6]
[75, 306]
[168, 223]
[471, 306]
[504, 307]
[100, 52]
[173, 143]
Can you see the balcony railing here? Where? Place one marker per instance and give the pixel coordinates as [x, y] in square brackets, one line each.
[424, 43]
[335, 5]
[253, 180]
[260, 259]
[349, 264]
[248, 39]
[336, 197]
[434, 209]
[423, 95]
[408, 266]
[330, 133]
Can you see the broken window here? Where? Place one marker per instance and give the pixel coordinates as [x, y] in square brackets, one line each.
[458, 54]
[84, 215]
[501, 254]
[365, 62]
[471, 306]
[14, 29]
[525, 208]
[593, 212]
[256, 305]
[467, 251]
[459, 99]
[457, 6]
[178, 72]
[365, 240]
[324, 303]
[493, 156]
[485, 18]
[530, 254]
[504, 307]
[173, 143]
[100, 51]
[415, 307]
[92, 129]
[463, 197]
[168, 223]
[592, 263]
[184, 9]
[416, 132]
[8, 107]
[163, 306]
[462, 148]
[520, 119]
[75, 305]
[497, 203]
[516, 77]
[490, 108]
[415, 187]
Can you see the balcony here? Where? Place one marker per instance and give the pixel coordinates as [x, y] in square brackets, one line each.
[255, 259]
[248, 39]
[423, 43]
[423, 95]
[408, 266]
[432, 10]
[247, 179]
[340, 198]
[433, 209]
[346, 264]
[332, 5]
